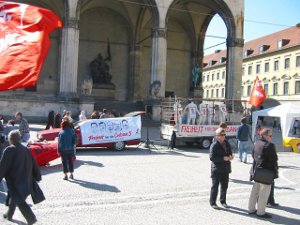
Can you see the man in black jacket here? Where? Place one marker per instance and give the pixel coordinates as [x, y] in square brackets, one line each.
[19, 169]
[220, 156]
[265, 156]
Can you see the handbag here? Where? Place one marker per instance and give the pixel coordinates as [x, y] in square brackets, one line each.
[264, 176]
[37, 194]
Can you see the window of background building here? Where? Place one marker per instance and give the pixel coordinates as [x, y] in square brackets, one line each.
[286, 63]
[218, 76]
[297, 87]
[242, 90]
[223, 75]
[203, 78]
[249, 70]
[212, 77]
[298, 61]
[266, 88]
[267, 67]
[212, 93]
[207, 93]
[275, 89]
[286, 88]
[276, 65]
[243, 71]
[217, 93]
[249, 90]
[207, 78]
[258, 68]
[223, 92]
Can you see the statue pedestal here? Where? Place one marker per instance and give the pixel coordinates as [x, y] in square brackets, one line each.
[104, 91]
[197, 93]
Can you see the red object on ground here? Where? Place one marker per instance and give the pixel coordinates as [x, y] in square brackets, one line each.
[44, 152]
[258, 94]
[24, 43]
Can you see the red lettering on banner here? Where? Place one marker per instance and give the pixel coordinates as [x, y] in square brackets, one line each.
[191, 128]
[96, 138]
[231, 129]
[119, 135]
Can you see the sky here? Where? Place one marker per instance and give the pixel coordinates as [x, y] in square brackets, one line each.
[262, 17]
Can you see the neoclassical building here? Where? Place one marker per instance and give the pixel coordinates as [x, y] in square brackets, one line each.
[141, 42]
[274, 58]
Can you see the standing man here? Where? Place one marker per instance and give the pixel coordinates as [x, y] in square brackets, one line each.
[19, 169]
[220, 155]
[23, 127]
[243, 137]
[265, 156]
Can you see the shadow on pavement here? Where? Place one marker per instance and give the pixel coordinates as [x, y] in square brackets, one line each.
[289, 209]
[133, 151]
[240, 181]
[276, 219]
[290, 167]
[58, 167]
[96, 186]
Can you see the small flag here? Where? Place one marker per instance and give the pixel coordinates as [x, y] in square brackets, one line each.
[24, 43]
[258, 94]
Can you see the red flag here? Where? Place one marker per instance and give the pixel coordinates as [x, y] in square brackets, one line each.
[258, 94]
[24, 43]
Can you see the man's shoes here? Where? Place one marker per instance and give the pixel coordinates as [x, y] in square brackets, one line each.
[5, 216]
[65, 177]
[71, 177]
[32, 222]
[253, 212]
[266, 216]
[273, 204]
[225, 205]
[215, 206]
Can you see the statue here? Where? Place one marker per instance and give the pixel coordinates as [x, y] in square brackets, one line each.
[87, 86]
[100, 70]
[197, 76]
[155, 88]
[192, 112]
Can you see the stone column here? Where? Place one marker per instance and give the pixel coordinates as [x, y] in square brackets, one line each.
[234, 70]
[159, 58]
[69, 59]
[135, 71]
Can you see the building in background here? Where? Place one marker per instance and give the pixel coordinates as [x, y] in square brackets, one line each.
[274, 58]
[148, 50]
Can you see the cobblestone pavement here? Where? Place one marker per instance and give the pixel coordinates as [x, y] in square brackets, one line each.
[157, 186]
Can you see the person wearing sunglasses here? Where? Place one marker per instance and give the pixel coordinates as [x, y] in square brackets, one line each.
[265, 156]
[220, 155]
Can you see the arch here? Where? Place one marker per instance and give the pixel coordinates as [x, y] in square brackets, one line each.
[97, 26]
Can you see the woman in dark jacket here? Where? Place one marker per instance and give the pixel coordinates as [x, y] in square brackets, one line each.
[20, 170]
[66, 148]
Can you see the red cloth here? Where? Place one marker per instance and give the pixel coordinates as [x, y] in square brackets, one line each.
[258, 94]
[24, 43]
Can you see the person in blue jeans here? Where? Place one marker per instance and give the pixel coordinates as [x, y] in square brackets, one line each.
[66, 148]
[243, 137]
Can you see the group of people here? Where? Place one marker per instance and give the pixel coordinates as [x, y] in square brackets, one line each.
[20, 169]
[264, 156]
[204, 114]
[55, 120]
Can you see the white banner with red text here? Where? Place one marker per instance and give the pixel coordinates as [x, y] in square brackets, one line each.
[204, 130]
[110, 130]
